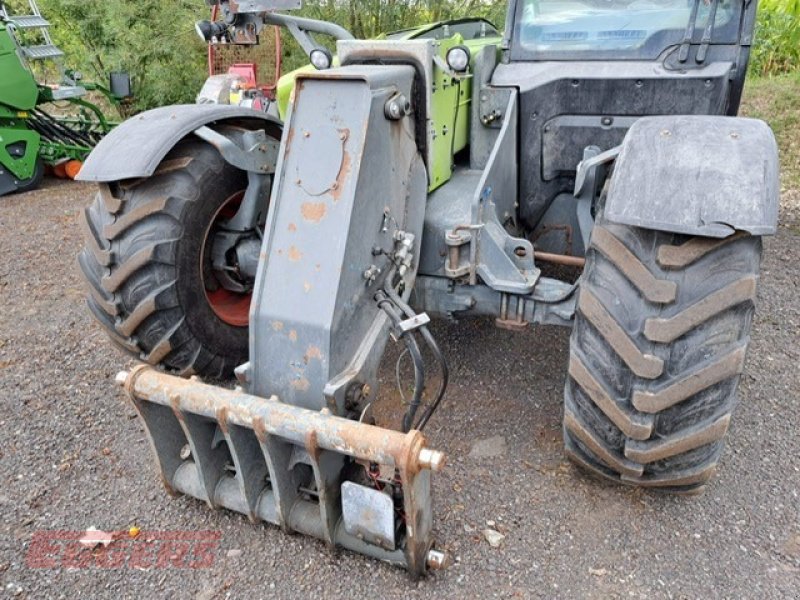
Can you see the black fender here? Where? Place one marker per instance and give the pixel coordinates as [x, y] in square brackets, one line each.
[697, 175]
[136, 147]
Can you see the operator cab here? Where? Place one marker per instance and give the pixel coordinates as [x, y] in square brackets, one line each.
[586, 70]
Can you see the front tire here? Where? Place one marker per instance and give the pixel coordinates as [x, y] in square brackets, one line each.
[661, 330]
[143, 260]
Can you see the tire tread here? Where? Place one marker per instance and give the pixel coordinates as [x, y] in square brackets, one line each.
[651, 383]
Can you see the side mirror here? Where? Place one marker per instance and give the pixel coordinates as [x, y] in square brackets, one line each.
[120, 85]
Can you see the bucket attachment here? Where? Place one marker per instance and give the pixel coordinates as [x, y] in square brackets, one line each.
[351, 484]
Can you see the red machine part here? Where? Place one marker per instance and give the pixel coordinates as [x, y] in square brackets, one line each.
[259, 64]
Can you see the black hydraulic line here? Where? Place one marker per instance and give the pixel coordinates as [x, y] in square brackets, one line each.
[47, 131]
[437, 353]
[50, 125]
[435, 350]
[51, 132]
[70, 133]
[567, 293]
[419, 365]
[76, 136]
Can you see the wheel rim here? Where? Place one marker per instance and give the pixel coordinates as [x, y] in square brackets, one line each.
[230, 307]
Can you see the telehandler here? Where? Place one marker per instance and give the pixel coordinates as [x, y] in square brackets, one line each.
[437, 176]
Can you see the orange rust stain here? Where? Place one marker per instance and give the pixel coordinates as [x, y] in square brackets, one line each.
[289, 137]
[341, 177]
[307, 287]
[313, 211]
[294, 254]
[312, 352]
[293, 335]
[277, 325]
[301, 384]
[292, 227]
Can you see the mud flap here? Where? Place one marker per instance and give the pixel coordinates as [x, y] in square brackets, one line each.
[287, 466]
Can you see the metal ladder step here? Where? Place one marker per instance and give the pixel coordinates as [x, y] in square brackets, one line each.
[42, 52]
[30, 22]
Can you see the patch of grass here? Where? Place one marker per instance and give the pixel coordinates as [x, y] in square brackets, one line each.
[777, 38]
[776, 100]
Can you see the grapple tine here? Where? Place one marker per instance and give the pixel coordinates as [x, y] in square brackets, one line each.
[281, 463]
[206, 459]
[327, 467]
[166, 438]
[284, 488]
[251, 469]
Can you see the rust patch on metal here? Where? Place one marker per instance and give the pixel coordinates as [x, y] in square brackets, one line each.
[289, 137]
[270, 417]
[302, 384]
[312, 444]
[293, 335]
[307, 287]
[292, 227]
[344, 168]
[260, 429]
[313, 211]
[294, 254]
[277, 325]
[222, 418]
[312, 352]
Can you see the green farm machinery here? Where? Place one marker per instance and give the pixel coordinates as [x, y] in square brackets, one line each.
[583, 168]
[41, 124]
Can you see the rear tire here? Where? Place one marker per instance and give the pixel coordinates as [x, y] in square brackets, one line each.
[661, 330]
[142, 258]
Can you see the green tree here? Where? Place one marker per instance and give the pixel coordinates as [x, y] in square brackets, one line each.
[153, 40]
[777, 38]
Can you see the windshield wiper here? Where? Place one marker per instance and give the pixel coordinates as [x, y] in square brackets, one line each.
[687, 37]
[708, 30]
[706, 40]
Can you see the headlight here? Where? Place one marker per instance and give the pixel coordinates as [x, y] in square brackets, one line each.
[458, 58]
[320, 58]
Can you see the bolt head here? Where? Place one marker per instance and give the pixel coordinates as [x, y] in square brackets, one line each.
[432, 459]
[437, 560]
[186, 452]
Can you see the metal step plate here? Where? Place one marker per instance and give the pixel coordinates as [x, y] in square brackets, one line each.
[30, 22]
[42, 52]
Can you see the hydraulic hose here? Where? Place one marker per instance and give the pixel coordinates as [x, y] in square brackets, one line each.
[435, 350]
[419, 365]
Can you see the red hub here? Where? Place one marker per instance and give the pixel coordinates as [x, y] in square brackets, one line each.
[231, 307]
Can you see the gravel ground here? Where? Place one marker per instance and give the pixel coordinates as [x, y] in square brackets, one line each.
[74, 456]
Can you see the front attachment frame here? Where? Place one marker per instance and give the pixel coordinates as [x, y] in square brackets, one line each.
[242, 452]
